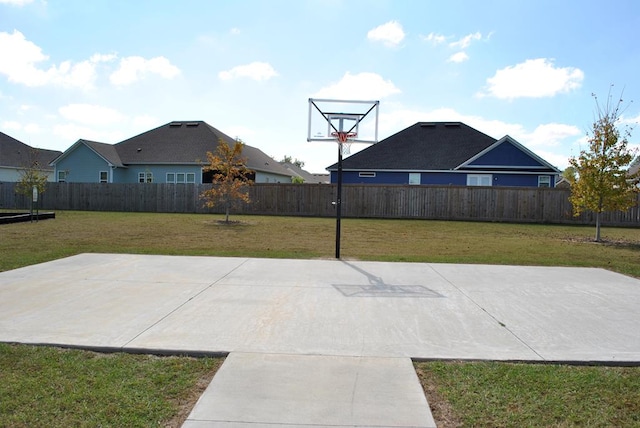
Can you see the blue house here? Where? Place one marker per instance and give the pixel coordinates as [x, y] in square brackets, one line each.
[171, 153]
[446, 153]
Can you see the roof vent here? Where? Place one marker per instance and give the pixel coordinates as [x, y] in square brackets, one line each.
[175, 124]
[139, 150]
[192, 124]
[428, 125]
[452, 124]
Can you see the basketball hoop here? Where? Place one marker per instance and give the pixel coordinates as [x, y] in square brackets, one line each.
[344, 139]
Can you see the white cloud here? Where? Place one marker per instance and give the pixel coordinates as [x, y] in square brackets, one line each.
[29, 128]
[32, 128]
[458, 57]
[256, 71]
[434, 38]
[16, 2]
[73, 133]
[391, 33]
[534, 78]
[134, 68]
[361, 86]
[145, 121]
[464, 42]
[235, 31]
[19, 59]
[551, 134]
[91, 114]
[96, 58]
[11, 125]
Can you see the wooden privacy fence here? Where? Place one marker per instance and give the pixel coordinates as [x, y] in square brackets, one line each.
[507, 204]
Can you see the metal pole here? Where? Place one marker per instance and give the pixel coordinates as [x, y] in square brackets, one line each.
[339, 201]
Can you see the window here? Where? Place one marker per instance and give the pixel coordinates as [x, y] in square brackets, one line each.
[180, 177]
[544, 181]
[171, 177]
[366, 174]
[414, 178]
[145, 177]
[479, 180]
[62, 176]
[104, 177]
[191, 177]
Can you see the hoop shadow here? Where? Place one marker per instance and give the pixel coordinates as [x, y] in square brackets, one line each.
[378, 288]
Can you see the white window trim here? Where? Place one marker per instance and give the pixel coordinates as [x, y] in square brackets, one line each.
[174, 177]
[145, 177]
[367, 174]
[106, 180]
[544, 181]
[191, 177]
[479, 178]
[64, 177]
[415, 178]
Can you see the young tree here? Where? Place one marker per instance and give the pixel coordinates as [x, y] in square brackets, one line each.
[602, 182]
[31, 176]
[230, 177]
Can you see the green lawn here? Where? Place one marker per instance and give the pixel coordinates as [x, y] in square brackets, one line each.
[293, 237]
[491, 394]
[52, 387]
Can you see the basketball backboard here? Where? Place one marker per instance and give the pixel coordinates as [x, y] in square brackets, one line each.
[329, 117]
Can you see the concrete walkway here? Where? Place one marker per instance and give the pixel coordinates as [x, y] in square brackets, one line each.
[349, 320]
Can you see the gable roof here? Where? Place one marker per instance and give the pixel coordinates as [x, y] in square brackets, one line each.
[16, 154]
[187, 142]
[106, 151]
[515, 155]
[423, 146]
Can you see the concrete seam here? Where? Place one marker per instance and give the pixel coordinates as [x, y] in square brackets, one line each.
[503, 325]
[184, 303]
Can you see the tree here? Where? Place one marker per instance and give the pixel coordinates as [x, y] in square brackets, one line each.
[297, 162]
[602, 182]
[230, 177]
[31, 176]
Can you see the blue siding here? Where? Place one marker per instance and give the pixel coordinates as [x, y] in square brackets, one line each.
[440, 178]
[506, 154]
[159, 172]
[83, 165]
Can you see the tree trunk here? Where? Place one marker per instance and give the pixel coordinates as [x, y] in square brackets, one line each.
[226, 218]
[597, 227]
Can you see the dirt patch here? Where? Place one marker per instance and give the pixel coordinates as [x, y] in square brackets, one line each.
[621, 243]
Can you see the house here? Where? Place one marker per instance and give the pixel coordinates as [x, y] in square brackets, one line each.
[16, 156]
[171, 153]
[446, 153]
[304, 176]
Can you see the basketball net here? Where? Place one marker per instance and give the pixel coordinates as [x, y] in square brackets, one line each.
[344, 140]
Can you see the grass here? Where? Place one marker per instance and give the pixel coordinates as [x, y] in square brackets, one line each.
[51, 387]
[288, 237]
[491, 394]
[43, 386]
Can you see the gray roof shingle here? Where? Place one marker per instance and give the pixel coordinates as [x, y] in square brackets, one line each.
[16, 154]
[423, 146]
[187, 142]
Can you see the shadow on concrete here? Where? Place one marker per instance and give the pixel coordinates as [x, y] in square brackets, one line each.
[377, 287]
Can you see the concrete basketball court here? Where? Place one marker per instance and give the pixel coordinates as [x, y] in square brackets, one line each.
[321, 342]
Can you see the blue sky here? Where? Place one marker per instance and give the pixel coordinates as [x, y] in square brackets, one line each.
[107, 70]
